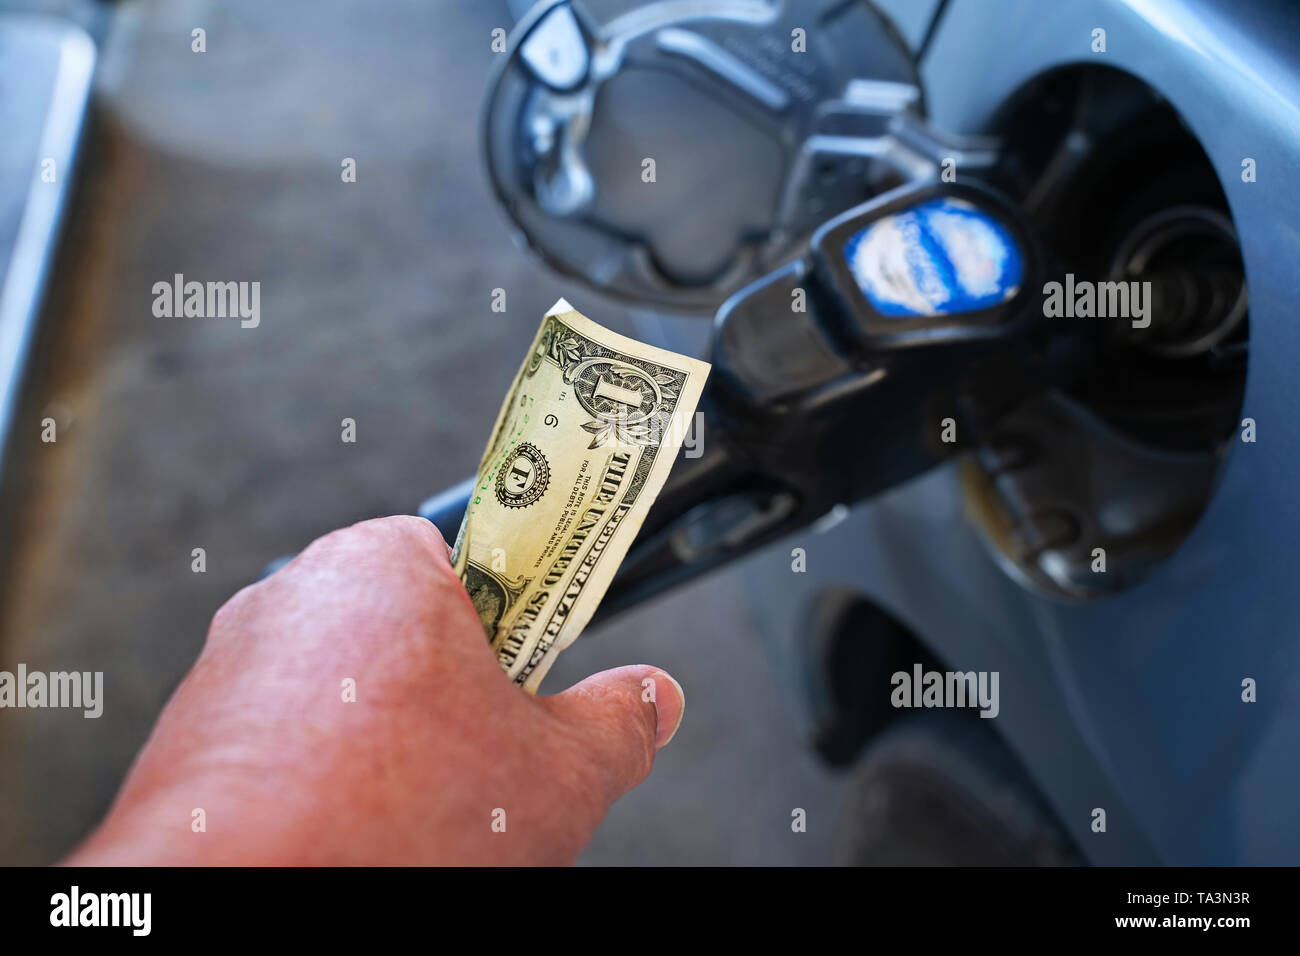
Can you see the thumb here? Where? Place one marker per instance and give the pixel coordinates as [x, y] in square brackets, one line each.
[620, 718]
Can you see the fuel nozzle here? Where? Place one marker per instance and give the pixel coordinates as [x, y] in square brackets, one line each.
[914, 291]
[913, 323]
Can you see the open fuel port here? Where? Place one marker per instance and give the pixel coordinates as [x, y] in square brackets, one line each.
[1083, 491]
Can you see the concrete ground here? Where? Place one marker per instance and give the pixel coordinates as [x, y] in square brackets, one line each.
[177, 434]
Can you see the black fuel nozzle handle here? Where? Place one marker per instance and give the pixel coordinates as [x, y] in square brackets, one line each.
[913, 324]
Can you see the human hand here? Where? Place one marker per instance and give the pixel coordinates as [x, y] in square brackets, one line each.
[436, 748]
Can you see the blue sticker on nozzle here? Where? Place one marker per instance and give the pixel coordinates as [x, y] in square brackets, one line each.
[940, 257]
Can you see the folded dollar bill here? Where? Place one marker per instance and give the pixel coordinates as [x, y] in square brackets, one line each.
[583, 443]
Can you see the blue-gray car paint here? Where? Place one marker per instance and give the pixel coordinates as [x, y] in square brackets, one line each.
[1131, 703]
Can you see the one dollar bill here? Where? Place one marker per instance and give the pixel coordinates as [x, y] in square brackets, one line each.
[583, 443]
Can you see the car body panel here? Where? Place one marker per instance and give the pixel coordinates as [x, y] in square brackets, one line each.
[1131, 703]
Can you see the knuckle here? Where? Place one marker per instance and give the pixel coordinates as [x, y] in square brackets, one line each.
[228, 617]
[326, 545]
[424, 534]
[411, 527]
[389, 536]
[396, 533]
